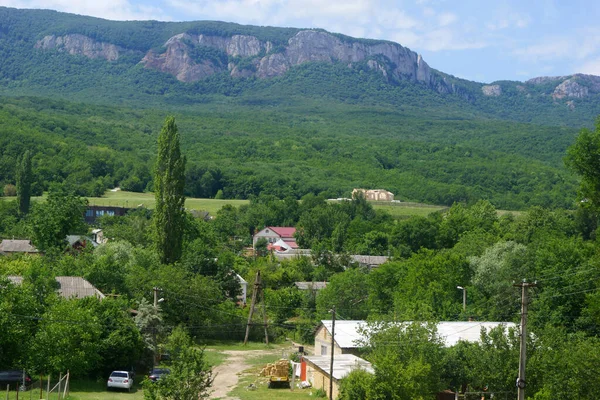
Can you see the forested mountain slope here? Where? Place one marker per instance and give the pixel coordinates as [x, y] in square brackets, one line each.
[278, 110]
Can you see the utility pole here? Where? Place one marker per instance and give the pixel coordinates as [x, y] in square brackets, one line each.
[521, 382]
[257, 290]
[332, 352]
[464, 289]
[154, 328]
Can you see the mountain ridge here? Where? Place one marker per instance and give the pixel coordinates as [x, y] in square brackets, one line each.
[196, 50]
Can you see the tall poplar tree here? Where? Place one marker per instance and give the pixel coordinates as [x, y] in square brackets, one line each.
[169, 181]
[24, 179]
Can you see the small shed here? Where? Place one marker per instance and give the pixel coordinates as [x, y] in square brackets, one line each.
[318, 370]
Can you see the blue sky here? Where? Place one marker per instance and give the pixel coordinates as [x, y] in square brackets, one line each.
[472, 39]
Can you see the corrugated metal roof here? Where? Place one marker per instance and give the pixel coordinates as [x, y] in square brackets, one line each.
[454, 331]
[348, 333]
[369, 260]
[69, 286]
[17, 246]
[76, 286]
[343, 364]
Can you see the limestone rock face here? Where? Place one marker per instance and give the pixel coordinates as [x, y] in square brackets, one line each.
[176, 60]
[305, 46]
[76, 44]
[191, 57]
[570, 88]
[492, 90]
[272, 65]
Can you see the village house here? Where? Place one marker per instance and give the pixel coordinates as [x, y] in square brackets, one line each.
[9, 247]
[373, 194]
[69, 287]
[277, 237]
[92, 213]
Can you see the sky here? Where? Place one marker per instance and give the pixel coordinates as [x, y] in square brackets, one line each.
[480, 40]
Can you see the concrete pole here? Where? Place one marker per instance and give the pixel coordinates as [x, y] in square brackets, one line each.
[332, 353]
[521, 382]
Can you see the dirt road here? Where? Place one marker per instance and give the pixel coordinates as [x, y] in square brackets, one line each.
[227, 374]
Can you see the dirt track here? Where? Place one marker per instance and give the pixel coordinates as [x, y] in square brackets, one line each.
[227, 374]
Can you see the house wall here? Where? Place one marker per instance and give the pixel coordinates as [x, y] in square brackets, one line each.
[266, 233]
[323, 342]
[374, 194]
[320, 380]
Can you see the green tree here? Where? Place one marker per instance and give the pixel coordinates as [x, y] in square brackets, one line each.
[190, 376]
[59, 216]
[407, 359]
[583, 157]
[68, 339]
[24, 178]
[169, 182]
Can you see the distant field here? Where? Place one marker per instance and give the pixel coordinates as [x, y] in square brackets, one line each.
[131, 199]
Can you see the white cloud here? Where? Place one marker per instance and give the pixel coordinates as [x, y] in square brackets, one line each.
[579, 45]
[447, 19]
[505, 20]
[109, 9]
[591, 67]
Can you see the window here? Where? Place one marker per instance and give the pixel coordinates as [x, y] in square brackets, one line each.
[99, 213]
[323, 350]
[89, 213]
[111, 213]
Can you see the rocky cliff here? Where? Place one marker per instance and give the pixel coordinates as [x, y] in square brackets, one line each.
[76, 44]
[191, 57]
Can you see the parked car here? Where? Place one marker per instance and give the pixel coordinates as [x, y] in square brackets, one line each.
[15, 378]
[158, 373]
[120, 380]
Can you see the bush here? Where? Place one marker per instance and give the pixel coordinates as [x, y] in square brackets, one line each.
[10, 190]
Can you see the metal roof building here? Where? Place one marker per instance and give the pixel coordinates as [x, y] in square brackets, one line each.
[350, 334]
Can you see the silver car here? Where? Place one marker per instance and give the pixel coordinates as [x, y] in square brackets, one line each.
[120, 380]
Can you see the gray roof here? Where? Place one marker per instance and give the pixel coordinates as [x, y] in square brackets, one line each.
[349, 334]
[69, 286]
[76, 286]
[310, 285]
[17, 246]
[369, 260]
[343, 364]
[72, 239]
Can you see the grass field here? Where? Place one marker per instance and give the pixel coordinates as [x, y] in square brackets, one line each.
[132, 199]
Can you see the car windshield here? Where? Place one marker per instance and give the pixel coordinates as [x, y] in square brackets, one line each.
[160, 371]
[119, 374]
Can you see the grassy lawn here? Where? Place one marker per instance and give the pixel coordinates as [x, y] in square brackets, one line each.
[400, 211]
[82, 390]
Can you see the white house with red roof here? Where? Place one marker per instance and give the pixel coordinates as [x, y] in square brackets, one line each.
[277, 237]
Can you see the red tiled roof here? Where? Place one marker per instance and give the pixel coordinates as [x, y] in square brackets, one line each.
[292, 243]
[283, 231]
